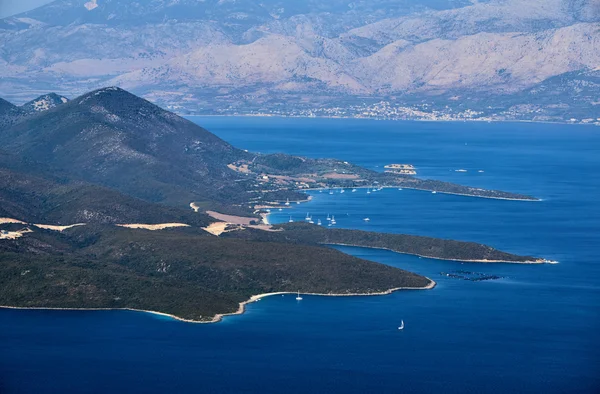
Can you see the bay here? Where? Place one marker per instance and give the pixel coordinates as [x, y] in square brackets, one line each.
[533, 330]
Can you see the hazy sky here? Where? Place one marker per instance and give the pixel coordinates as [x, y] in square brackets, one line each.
[11, 7]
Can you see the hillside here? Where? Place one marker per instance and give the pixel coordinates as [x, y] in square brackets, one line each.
[436, 248]
[113, 138]
[191, 276]
[425, 58]
[9, 114]
[56, 201]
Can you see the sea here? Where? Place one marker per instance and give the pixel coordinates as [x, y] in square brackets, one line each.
[532, 329]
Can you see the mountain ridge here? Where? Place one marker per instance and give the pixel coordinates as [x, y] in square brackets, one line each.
[273, 56]
[112, 137]
[44, 103]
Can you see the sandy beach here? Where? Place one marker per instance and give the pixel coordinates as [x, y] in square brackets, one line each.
[57, 228]
[153, 227]
[10, 221]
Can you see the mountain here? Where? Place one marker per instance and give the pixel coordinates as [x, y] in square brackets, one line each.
[9, 114]
[44, 103]
[112, 138]
[115, 139]
[293, 57]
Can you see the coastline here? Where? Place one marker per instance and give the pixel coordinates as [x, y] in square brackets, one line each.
[388, 120]
[543, 261]
[219, 316]
[428, 190]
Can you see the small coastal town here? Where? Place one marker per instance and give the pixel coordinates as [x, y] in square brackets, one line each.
[380, 110]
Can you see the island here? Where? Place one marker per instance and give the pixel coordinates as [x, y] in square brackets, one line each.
[110, 202]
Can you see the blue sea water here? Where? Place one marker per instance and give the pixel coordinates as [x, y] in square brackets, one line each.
[535, 330]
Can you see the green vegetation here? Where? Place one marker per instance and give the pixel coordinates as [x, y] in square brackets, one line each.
[192, 276]
[34, 199]
[310, 234]
[109, 157]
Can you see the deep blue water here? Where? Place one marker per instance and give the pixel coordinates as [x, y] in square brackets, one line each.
[536, 330]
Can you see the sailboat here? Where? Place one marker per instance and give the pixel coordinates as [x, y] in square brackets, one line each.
[291, 220]
[401, 327]
[354, 190]
[368, 191]
[307, 218]
[319, 222]
[333, 219]
[330, 191]
[342, 191]
[299, 298]
[328, 218]
[367, 219]
[287, 202]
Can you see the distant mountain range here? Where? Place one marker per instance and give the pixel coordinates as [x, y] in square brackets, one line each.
[432, 59]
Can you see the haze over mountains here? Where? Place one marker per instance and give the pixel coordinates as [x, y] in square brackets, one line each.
[500, 59]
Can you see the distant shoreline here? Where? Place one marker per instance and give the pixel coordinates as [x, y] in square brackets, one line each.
[386, 120]
[219, 316]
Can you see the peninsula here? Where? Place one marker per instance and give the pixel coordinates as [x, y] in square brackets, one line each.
[95, 213]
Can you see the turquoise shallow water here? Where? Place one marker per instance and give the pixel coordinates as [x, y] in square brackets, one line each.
[534, 330]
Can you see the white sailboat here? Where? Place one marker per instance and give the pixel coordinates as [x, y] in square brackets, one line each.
[291, 220]
[353, 190]
[368, 191]
[328, 218]
[287, 202]
[319, 222]
[401, 327]
[342, 191]
[333, 219]
[298, 298]
[367, 219]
